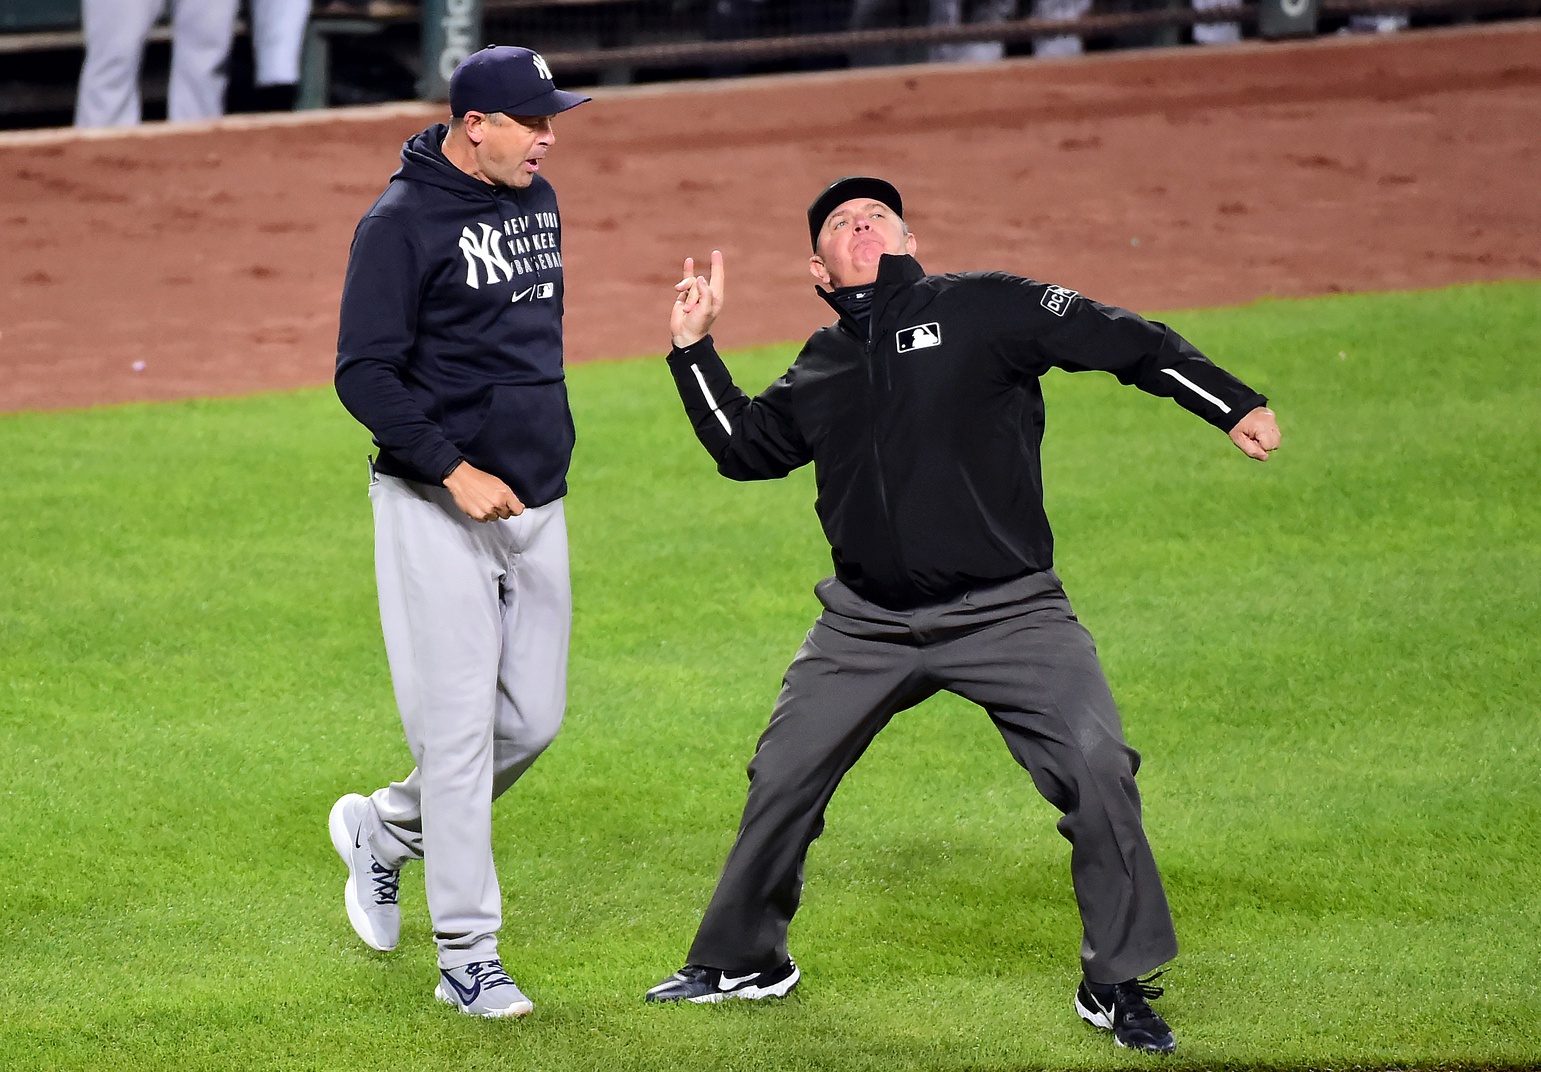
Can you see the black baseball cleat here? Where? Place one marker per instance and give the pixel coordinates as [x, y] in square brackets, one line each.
[1124, 1009]
[706, 985]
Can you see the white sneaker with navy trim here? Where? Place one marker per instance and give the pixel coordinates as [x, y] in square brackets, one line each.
[482, 989]
[370, 892]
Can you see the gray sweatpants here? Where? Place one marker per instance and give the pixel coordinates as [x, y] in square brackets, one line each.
[476, 617]
[115, 32]
[1018, 651]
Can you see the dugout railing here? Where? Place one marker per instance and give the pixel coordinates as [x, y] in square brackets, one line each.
[618, 41]
[1089, 27]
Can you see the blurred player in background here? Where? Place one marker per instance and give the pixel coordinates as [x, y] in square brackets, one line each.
[277, 40]
[116, 31]
[1216, 33]
[958, 12]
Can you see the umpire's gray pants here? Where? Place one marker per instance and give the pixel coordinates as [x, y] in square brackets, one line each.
[1018, 651]
[476, 617]
[115, 32]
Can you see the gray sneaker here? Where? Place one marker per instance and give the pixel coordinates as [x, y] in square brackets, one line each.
[370, 893]
[482, 989]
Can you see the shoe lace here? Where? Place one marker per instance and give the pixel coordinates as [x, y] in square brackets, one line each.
[1136, 992]
[489, 973]
[387, 882]
[1145, 988]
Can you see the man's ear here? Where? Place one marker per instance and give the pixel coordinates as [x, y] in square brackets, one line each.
[817, 270]
[909, 242]
[475, 126]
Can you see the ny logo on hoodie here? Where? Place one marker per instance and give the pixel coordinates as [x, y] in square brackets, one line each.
[533, 246]
[489, 251]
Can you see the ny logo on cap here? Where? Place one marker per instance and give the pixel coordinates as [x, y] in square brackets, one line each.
[540, 66]
[919, 337]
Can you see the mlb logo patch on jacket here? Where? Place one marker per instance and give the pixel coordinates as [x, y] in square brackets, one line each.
[919, 337]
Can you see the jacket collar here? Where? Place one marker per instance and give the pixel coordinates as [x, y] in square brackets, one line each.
[895, 272]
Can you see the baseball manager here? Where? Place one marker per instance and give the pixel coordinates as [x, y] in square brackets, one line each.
[922, 414]
[450, 353]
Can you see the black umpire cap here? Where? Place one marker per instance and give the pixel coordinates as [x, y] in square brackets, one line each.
[507, 79]
[849, 188]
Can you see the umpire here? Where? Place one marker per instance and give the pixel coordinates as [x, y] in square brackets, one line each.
[922, 413]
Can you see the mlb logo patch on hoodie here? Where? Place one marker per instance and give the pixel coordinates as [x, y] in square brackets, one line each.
[919, 337]
[536, 293]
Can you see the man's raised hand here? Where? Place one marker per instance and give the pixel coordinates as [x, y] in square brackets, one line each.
[697, 301]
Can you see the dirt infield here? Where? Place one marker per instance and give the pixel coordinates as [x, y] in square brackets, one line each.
[210, 259]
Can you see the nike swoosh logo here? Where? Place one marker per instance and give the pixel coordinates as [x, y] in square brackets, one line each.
[466, 995]
[728, 982]
[521, 295]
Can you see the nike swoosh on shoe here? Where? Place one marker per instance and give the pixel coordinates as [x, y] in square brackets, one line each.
[466, 996]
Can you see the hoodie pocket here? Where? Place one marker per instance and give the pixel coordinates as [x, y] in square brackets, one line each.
[526, 438]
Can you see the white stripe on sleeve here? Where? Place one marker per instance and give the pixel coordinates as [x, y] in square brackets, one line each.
[1178, 376]
[722, 417]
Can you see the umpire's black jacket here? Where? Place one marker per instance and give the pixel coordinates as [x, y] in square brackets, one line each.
[924, 429]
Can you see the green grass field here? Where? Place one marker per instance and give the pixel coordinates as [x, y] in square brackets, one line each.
[1328, 661]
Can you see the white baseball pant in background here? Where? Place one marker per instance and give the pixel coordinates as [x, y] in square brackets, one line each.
[1059, 44]
[477, 617]
[952, 13]
[277, 38]
[115, 32]
[1216, 33]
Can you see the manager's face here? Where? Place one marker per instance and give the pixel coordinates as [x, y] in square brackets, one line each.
[854, 236]
[509, 149]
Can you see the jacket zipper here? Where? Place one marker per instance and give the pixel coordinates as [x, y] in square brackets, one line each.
[876, 395]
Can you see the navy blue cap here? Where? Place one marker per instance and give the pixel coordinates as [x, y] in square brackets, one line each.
[849, 188]
[507, 79]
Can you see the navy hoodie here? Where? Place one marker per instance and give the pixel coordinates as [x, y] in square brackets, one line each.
[450, 338]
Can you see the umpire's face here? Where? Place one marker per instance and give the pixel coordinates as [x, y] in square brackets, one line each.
[508, 149]
[854, 236]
